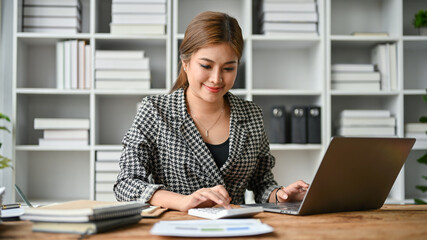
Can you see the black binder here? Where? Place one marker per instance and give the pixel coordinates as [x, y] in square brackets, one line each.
[313, 124]
[278, 125]
[299, 124]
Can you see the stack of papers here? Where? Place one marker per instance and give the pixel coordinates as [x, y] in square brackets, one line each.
[211, 228]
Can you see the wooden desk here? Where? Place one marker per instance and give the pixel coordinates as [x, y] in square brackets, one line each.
[390, 222]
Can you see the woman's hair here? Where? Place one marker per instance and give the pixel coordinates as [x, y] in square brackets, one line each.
[205, 29]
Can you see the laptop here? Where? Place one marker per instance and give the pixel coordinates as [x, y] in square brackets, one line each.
[355, 174]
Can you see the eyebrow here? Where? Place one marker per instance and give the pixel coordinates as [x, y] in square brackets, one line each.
[209, 60]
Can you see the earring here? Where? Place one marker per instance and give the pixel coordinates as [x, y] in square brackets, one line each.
[185, 69]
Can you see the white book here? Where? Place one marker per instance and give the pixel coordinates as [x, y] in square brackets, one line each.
[420, 144]
[74, 64]
[289, 17]
[107, 197]
[367, 121]
[349, 67]
[291, 34]
[107, 166]
[62, 3]
[104, 188]
[289, 6]
[138, 29]
[122, 54]
[52, 22]
[118, 8]
[287, 1]
[67, 65]
[66, 134]
[356, 86]
[47, 11]
[106, 177]
[88, 67]
[123, 74]
[139, 1]
[81, 65]
[283, 26]
[366, 131]
[393, 66]
[61, 123]
[417, 135]
[108, 155]
[63, 30]
[380, 59]
[62, 142]
[356, 76]
[139, 18]
[60, 65]
[122, 84]
[122, 64]
[416, 127]
[364, 113]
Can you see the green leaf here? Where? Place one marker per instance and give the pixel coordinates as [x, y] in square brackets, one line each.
[419, 201]
[425, 98]
[425, 177]
[2, 116]
[421, 188]
[4, 162]
[5, 128]
[423, 159]
[423, 119]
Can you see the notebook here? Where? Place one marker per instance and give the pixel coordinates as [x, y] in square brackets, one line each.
[355, 174]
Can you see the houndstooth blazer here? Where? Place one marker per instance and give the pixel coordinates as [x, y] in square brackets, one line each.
[164, 142]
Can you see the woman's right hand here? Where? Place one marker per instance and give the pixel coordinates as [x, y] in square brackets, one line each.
[206, 197]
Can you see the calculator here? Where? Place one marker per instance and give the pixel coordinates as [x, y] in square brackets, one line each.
[218, 213]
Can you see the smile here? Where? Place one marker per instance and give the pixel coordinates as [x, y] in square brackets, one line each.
[213, 89]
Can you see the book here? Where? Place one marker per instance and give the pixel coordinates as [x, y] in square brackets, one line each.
[356, 86]
[108, 155]
[86, 227]
[393, 66]
[380, 58]
[63, 142]
[110, 64]
[65, 134]
[122, 84]
[313, 124]
[67, 65]
[366, 131]
[416, 127]
[291, 34]
[298, 125]
[138, 29]
[48, 11]
[139, 1]
[74, 64]
[417, 135]
[278, 125]
[61, 123]
[123, 74]
[88, 67]
[288, 26]
[370, 34]
[154, 18]
[356, 76]
[288, 6]
[352, 67]
[52, 22]
[365, 113]
[62, 3]
[138, 8]
[83, 211]
[110, 166]
[116, 54]
[60, 65]
[289, 17]
[81, 64]
[65, 30]
[106, 177]
[364, 121]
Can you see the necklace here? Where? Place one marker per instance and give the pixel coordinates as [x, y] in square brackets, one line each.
[213, 125]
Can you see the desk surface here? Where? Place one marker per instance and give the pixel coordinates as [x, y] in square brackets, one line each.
[389, 222]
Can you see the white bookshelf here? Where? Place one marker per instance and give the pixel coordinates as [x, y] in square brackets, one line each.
[275, 70]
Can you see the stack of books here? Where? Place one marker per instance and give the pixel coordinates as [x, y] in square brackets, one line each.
[355, 77]
[368, 123]
[289, 17]
[116, 69]
[73, 65]
[50, 16]
[107, 168]
[63, 132]
[84, 216]
[384, 56]
[138, 17]
[418, 131]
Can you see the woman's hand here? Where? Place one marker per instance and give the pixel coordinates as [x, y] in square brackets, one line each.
[294, 192]
[206, 197]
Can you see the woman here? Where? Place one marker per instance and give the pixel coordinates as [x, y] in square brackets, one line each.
[200, 145]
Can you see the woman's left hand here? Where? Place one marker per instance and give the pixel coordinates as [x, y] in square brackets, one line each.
[294, 192]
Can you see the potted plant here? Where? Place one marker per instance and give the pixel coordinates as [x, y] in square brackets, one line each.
[4, 161]
[422, 160]
[420, 22]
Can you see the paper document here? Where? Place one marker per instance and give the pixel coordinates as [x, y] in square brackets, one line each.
[211, 228]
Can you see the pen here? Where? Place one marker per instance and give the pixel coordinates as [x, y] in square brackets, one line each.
[10, 206]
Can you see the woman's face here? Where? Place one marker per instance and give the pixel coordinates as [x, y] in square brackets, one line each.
[211, 72]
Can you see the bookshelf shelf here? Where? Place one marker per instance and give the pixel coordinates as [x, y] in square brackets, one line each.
[276, 70]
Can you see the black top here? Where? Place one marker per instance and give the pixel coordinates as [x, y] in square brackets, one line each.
[219, 152]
